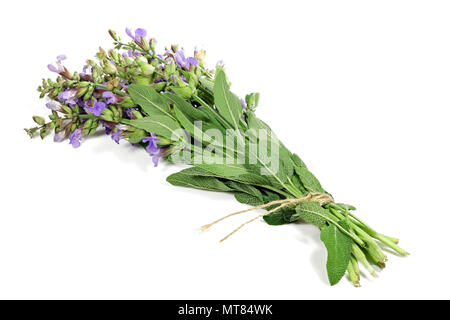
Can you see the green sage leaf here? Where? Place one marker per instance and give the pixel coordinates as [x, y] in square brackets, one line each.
[197, 182]
[191, 112]
[275, 219]
[246, 198]
[310, 212]
[308, 180]
[248, 189]
[160, 125]
[151, 102]
[297, 161]
[339, 247]
[227, 103]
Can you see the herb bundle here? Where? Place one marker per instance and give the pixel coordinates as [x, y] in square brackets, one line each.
[177, 109]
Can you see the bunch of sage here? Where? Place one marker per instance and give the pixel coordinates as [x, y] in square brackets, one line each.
[178, 110]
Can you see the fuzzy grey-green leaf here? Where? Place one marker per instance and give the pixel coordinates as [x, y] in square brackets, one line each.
[308, 180]
[189, 110]
[246, 198]
[161, 125]
[245, 188]
[311, 212]
[151, 102]
[275, 219]
[198, 182]
[339, 247]
[227, 103]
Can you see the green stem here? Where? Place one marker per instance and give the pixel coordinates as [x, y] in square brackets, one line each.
[359, 254]
[387, 241]
[353, 273]
[366, 233]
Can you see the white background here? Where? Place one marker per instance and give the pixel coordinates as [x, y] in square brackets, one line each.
[360, 89]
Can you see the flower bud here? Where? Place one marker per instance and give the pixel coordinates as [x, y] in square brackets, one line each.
[113, 34]
[200, 55]
[114, 83]
[66, 110]
[107, 115]
[144, 44]
[141, 59]
[160, 86]
[76, 76]
[153, 45]
[137, 114]
[83, 84]
[31, 132]
[117, 113]
[82, 91]
[89, 93]
[170, 68]
[43, 133]
[87, 126]
[252, 99]
[114, 55]
[147, 69]
[109, 68]
[96, 71]
[128, 61]
[39, 120]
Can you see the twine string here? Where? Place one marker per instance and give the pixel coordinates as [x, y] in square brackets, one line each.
[320, 198]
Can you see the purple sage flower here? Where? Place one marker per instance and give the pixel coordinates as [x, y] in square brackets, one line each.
[75, 138]
[181, 59]
[67, 96]
[193, 61]
[117, 135]
[124, 84]
[98, 108]
[86, 70]
[152, 148]
[60, 136]
[108, 126]
[130, 53]
[152, 143]
[59, 68]
[52, 106]
[111, 97]
[156, 156]
[138, 34]
[244, 105]
[184, 62]
[129, 113]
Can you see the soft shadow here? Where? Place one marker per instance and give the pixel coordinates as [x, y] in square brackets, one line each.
[125, 152]
[128, 153]
[310, 234]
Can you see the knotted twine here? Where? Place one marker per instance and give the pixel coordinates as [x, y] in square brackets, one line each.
[321, 198]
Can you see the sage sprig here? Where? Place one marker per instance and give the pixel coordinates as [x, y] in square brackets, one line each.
[179, 110]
